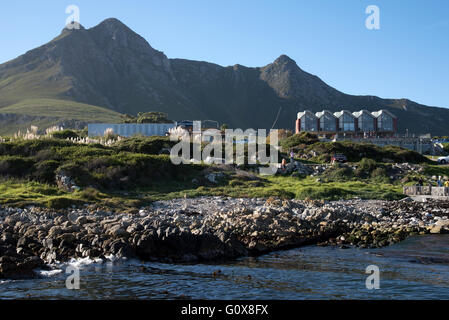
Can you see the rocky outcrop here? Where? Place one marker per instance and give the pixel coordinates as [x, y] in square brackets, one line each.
[204, 229]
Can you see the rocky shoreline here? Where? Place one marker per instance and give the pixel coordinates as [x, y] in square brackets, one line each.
[206, 229]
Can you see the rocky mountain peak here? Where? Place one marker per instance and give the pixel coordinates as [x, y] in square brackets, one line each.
[286, 61]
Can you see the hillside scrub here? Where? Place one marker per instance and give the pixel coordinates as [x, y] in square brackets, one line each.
[66, 134]
[323, 151]
[298, 141]
[132, 173]
[108, 168]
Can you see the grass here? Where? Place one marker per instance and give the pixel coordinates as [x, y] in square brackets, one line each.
[278, 186]
[132, 174]
[436, 170]
[321, 152]
[22, 193]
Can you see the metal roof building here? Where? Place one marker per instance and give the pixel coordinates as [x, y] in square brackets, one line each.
[130, 129]
[381, 121]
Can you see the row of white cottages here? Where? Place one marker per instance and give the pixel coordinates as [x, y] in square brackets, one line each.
[346, 121]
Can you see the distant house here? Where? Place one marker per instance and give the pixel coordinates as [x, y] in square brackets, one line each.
[380, 122]
[366, 121]
[385, 121]
[327, 121]
[346, 121]
[307, 121]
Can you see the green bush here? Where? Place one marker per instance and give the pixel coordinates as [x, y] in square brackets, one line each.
[29, 148]
[45, 171]
[146, 145]
[338, 173]
[357, 151]
[322, 192]
[380, 175]
[15, 166]
[65, 134]
[90, 194]
[296, 140]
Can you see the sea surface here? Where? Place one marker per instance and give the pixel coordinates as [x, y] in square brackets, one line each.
[417, 268]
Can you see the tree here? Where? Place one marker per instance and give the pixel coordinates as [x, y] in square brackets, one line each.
[147, 117]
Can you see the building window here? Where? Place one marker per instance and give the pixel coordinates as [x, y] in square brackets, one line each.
[385, 123]
[327, 123]
[346, 122]
[308, 123]
[366, 122]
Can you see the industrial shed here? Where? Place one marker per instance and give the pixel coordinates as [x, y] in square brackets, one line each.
[130, 129]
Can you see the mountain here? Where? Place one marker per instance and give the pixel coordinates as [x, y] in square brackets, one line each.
[114, 70]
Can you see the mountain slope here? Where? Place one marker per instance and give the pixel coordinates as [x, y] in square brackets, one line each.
[112, 67]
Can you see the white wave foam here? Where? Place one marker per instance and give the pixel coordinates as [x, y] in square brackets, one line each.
[48, 273]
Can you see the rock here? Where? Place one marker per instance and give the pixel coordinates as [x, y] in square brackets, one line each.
[440, 226]
[117, 231]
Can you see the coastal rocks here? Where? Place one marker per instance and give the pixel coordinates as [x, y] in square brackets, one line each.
[441, 226]
[214, 177]
[64, 182]
[207, 228]
[16, 268]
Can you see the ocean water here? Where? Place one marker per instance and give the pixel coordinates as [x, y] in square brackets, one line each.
[417, 268]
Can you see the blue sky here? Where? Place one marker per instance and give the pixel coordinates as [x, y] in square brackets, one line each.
[407, 58]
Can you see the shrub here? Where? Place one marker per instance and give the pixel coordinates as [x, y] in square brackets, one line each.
[338, 173]
[45, 171]
[28, 148]
[321, 192]
[380, 175]
[367, 165]
[146, 145]
[357, 151]
[15, 166]
[90, 194]
[303, 138]
[65, 134]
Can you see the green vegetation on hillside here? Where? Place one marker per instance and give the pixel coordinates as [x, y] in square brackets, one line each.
[134, 172]
[306, 145]
[45, 113]
[63, 109]
[147, 117]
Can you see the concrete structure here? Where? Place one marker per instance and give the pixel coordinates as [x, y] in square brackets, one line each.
[130, 129]
[422, 145]
[423, 192]
[307, 121]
